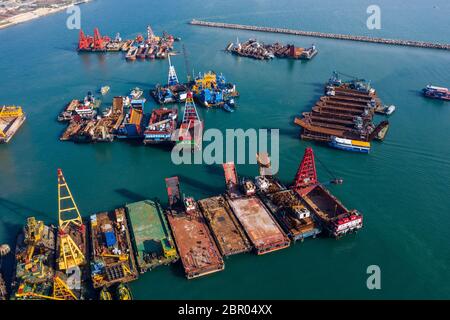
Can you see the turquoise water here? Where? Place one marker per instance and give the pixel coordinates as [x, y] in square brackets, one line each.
[401, 187]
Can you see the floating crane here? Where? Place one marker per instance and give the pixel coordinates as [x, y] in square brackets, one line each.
[60, 292]
[69, 221]
[172, 77]
[306, 177]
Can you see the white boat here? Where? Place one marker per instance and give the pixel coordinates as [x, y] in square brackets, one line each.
[388, 110]
[350, 145]
[136, 93]
[104, 90]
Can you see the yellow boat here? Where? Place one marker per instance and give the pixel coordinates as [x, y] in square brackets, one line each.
[105, 294]
[124, 292]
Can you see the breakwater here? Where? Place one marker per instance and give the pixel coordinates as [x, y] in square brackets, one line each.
[399, 42]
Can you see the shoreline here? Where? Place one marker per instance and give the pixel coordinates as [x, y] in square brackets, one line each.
[35, 14]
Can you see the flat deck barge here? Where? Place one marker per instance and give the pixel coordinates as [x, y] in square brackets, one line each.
[11, 119]
[112, 254]
[263, 231]
[198, 251]
[228, 233]
[150, 233]
[261, 228]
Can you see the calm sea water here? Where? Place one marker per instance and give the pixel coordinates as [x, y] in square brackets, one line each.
[402, 187]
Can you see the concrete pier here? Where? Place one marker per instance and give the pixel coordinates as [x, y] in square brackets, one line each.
[408, 43]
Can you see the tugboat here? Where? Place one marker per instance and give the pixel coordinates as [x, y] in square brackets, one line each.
[124, 292]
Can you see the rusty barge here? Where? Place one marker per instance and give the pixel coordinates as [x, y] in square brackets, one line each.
[289, 210]
[261, 228]
[197, 249]
[228, 233]
[346, 111]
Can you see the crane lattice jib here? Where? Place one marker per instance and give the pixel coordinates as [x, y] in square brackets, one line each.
[306, 174]
[67, 214]
[61, 291]
[172, 78]
[190, 111]
[70, 255]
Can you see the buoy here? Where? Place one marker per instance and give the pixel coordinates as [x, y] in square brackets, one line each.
[4, 250]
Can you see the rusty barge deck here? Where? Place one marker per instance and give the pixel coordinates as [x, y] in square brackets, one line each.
[112, 254]
[263, 231]
[196, 247]
[228, 233]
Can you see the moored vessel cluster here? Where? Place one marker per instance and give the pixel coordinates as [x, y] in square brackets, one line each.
[257, 50]
[257, 214]
[152, 47]
[343, 116]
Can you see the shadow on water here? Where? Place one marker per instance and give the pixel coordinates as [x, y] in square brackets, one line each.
[7, 262]
[133, 196]
[18, 208]
[177, 269]
[199, 185]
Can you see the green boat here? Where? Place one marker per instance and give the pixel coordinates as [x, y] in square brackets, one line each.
[152, 240]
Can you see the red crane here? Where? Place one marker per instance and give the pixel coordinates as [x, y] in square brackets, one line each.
[306, 177]
[84, 42]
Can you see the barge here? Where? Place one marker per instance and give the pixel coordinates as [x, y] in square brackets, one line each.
[260, 226]
[331, 215]
[162, 124]
[151, 236]
[212, 90]
[260, 51]
[288, 209]
[11, 119]
[35, 261]
[112, 256]
[173, 91]
[139, 47]
[228, 233]
[197, 249]
[131, 127]
[346, 111]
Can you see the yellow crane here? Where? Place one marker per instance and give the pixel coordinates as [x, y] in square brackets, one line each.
[60, 292]
[69, 219]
